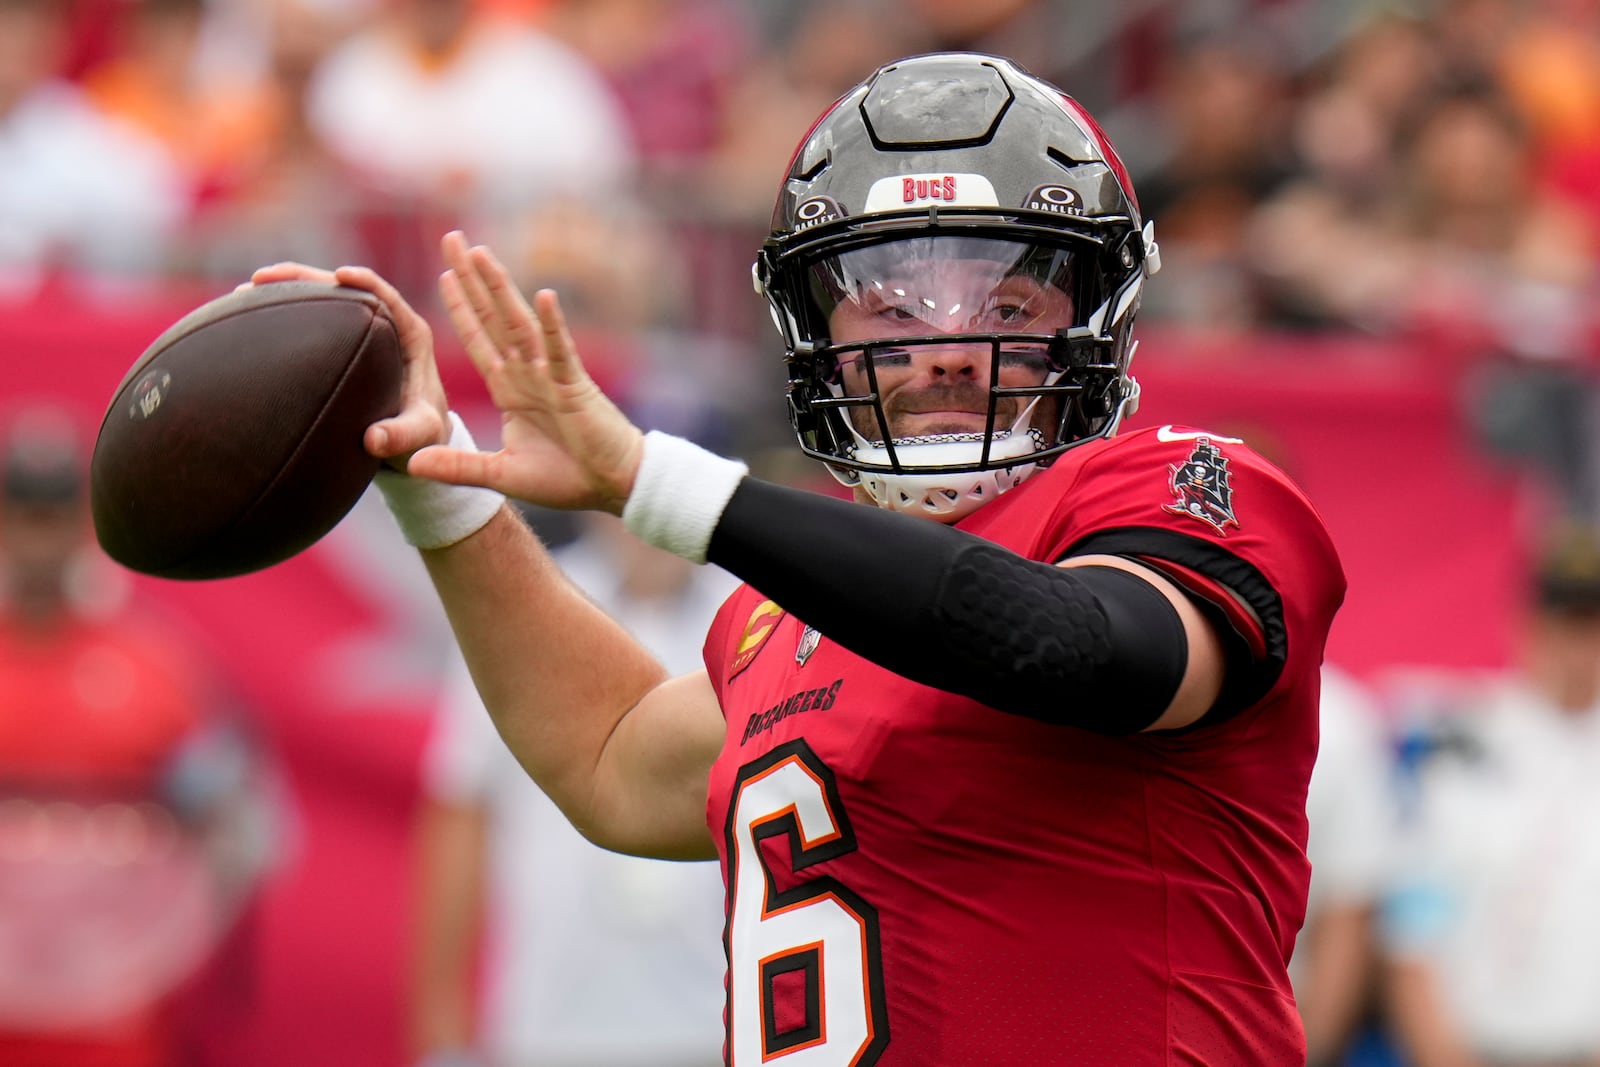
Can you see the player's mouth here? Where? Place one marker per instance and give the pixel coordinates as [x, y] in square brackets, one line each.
[923, 422]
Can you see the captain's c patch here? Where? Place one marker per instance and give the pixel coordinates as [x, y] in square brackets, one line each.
[763, 620]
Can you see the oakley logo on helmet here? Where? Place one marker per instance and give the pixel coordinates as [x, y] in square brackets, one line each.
[890, 194]
[1056, 198]
[817, 210]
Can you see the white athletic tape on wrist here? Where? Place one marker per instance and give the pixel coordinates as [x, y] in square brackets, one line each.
[435, 514]
[679, 494]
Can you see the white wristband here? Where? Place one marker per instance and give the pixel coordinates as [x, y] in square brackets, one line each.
[436, 514]
[679, 494]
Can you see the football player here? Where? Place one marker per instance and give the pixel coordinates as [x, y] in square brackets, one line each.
[1008, 767]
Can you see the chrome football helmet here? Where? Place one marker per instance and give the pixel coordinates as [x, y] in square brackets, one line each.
[954, 212]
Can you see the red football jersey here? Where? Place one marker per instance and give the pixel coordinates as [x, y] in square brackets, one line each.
[915, 879]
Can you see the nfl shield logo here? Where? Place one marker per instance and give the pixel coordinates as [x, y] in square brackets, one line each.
[809, 639]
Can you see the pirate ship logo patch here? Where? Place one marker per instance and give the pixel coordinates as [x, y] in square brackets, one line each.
[1201, 489]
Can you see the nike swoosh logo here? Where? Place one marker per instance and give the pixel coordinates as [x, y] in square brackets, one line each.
[1167, 433]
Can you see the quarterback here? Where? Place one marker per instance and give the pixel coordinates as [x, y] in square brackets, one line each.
[1007, 766]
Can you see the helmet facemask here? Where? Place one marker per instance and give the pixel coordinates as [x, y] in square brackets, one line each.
[913, 218]
[936, 371]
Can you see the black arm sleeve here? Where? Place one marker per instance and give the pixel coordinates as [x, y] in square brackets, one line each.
[1093, 647]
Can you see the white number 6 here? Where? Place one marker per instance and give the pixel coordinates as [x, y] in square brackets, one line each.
[817, 937]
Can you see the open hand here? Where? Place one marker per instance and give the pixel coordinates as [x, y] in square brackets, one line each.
[565, 444]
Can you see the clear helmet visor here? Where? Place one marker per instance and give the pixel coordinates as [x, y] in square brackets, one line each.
[949, 334]
[944, 285]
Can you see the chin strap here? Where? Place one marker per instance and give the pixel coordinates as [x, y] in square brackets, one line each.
[946, 497]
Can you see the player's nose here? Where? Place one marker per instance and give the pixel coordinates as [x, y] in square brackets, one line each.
[957, 360]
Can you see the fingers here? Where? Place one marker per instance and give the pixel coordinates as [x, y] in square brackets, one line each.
[565, 366]
[416, 426]
[507, 306]
[456, 467]
[420, 421]
[459, 258]
[411, 327]
[468, 323]
[290, 272]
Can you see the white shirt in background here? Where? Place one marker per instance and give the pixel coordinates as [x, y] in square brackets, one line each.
[512, 117]
[1500, 885]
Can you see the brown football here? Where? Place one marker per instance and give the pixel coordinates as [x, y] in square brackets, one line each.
[234, 442]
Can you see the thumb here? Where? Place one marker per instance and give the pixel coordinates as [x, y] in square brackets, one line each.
[415, 427]
[455, 466]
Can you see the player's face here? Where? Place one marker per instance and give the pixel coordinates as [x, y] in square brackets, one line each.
[944, 388]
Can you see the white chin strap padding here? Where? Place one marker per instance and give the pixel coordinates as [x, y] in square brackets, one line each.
[947, 497]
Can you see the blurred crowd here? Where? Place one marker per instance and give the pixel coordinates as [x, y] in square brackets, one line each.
[1426, 171]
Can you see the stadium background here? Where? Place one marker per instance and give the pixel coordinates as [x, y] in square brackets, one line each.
[1338, 287]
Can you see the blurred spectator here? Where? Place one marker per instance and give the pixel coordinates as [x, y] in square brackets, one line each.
[1046, 37]
[1345, 130]
[1491, 926]
[1352, 813]
[1551, 68]
[1324, 248]
[131, 824]
[437, 105]
[571, 243]
[1428, 222]
[216, 128]
[807, 66]
[671, 64]
[1470, 36]
[78, 192]
[1223, 99]
[816, 54]
[289, 197]
[593, 959]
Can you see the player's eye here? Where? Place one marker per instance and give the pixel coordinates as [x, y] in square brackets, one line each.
[899, 314]
[1005, 313]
